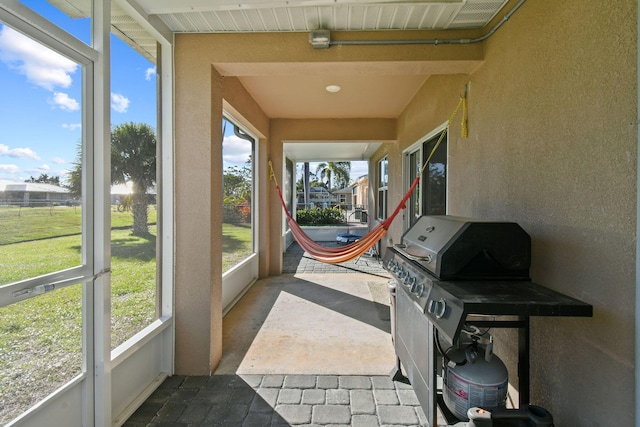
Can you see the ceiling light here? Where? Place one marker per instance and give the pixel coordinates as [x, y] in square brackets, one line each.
[333, 88]
[320, 39]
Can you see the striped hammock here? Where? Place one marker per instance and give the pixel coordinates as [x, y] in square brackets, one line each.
[352, 250]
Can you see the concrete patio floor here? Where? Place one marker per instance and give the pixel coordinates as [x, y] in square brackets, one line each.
[310, 348]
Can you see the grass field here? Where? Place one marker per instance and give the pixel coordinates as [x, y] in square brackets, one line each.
[236, 244]
[41, 338]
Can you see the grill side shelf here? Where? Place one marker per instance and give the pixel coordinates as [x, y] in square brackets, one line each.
[514, 298]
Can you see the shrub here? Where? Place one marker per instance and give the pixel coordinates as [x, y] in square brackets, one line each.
[236, 213]
[317, 216]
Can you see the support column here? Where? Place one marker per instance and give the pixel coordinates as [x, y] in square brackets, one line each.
[198, 193]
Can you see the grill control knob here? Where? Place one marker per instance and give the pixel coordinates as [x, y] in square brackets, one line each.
[437, 308]
[410, 281]
[417, 289]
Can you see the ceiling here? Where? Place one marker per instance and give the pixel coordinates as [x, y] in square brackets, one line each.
[381, 90]
[307, 15]
[330, 151]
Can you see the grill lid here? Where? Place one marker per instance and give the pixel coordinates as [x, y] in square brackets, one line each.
[451, 247]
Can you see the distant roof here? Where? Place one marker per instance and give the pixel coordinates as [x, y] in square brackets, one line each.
[35, 187]
[31, 187]
[347, 190]
[127, 188]
[318, 190]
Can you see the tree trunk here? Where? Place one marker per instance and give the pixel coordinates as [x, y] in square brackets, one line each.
[139, 210]
[307, 185]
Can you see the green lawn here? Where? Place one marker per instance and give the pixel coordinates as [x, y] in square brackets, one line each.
[41, 338]
[236, 244]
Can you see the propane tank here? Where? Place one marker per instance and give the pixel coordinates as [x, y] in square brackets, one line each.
[474, 377]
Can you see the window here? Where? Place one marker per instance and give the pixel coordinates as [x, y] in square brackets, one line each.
[39, 147]
[383, 187]
[135, 221]
[435, 176]
[414, 166]
[43, 217]
[430, 195]
[237, 207]
[58, 257]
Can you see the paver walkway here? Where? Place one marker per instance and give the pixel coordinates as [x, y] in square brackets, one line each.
[262, 400]
[280, 400]
[297, 261]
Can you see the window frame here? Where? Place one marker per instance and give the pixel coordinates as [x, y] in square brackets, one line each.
[428, 182]
[254, 184]
[21, 19]
[92, 392]
[417, 202]
[382, 210]
[235, 280]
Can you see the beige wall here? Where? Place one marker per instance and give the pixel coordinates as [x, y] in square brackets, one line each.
[553, 146]
[197, 157]
[201, 95]
[239, 105]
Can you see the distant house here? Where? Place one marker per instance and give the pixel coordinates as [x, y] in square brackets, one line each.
[319, 197]
[33, 194]
[36, 194]
[354, 197]
[360, 192]
[344, 198]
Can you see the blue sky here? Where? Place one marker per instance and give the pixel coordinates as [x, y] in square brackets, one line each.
[236, 152]
[40, 107]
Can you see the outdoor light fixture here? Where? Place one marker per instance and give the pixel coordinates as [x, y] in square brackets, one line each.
[320, 39]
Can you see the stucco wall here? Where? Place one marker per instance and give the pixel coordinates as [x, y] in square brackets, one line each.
[553, 146]
[201, 95]
[197, 157]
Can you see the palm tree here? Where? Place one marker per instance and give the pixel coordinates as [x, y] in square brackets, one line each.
[74, 181]
[133, 158]
[338, 171]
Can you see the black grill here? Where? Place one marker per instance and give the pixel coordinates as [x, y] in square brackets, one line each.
[456, 248]
[449, 270]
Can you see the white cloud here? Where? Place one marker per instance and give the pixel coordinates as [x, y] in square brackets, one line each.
[64, 102]
[24, 153]
[359, 168]
[72, 126]
[58, 160]
[18, 153]
[119, 103]
[11, 169]
[41, 66]
[235, 150]
[150, 73]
